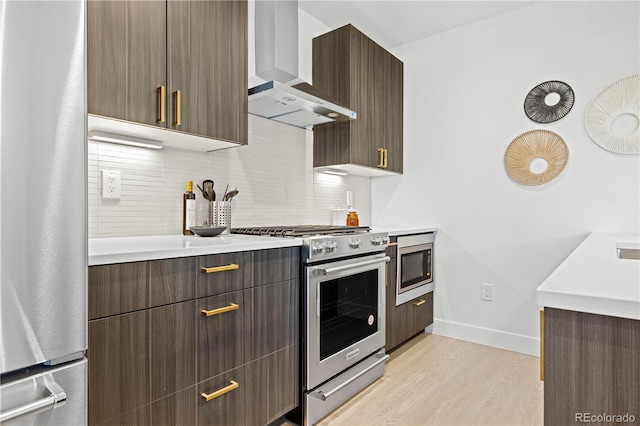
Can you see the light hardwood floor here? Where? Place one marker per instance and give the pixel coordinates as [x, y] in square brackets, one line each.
[435, 380]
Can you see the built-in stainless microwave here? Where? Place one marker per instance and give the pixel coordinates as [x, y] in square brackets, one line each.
[415, 267]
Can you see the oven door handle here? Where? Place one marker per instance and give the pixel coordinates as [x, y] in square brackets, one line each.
[325, 395]
[325, 271]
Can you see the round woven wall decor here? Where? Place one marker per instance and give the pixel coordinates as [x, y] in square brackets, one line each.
[530, 148]
[620, 99]
[537, 108]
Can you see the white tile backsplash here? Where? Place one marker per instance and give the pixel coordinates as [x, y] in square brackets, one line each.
[274, 174]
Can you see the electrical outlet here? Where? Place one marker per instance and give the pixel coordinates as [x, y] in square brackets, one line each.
[486, 292]
[111, 184]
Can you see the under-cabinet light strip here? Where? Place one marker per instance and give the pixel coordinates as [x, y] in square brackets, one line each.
[95, 135]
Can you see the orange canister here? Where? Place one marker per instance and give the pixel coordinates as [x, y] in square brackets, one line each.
[352, 218]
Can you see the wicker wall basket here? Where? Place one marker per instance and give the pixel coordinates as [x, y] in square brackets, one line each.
[537, 108]
[619, 99]
[534, 145]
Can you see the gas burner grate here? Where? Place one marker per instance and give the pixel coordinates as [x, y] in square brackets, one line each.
[300, 231]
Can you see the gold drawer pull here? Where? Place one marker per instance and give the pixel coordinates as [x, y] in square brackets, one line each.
[381, 158]
[420, 302]
[220, 392]
[231, 307]
[229, 267]
[161, 101]
[392, 244]
[177, 102]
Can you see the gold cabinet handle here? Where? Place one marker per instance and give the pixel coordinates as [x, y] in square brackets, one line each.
[161, 102]
[209, 396]
[392, 244]
[231, 307]
[176, 108]
[381, 157]
[386, 157]
[229, 267]
[420, 302]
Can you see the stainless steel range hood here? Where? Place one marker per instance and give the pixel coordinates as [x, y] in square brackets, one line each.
[283, 98]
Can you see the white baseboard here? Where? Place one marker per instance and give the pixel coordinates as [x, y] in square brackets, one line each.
[489, 337]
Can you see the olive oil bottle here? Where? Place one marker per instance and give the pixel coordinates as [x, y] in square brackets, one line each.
[188, 209]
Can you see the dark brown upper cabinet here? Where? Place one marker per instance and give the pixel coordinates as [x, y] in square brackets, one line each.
[356, 72]
[178, 65]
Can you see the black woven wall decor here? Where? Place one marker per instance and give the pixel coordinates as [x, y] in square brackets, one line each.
[536, 108]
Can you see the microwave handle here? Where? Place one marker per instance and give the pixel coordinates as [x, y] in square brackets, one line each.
[325, 271]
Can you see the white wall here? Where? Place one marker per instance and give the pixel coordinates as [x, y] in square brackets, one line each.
[274, 174]
[464, 93]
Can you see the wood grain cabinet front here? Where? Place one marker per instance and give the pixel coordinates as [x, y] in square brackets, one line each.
[126, 59]
[170, 64]
[356, 72]
[222, 400]
[116, 289]
[220, 333]
[221, 273]
[408, 319]
[139, 357]
[591, 368]
[272, 382]
[272, 319]
[275, 265]
[164, 332]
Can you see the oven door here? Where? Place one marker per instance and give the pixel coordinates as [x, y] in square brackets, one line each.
[345, 314]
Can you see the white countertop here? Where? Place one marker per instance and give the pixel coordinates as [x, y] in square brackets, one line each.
[104, 251]
[394, 231]
[592, 279]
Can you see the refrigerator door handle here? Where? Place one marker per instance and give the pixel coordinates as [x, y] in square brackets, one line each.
[57, 399]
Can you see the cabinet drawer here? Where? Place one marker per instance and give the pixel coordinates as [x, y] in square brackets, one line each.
[423, 311]
[140, 357]
[228, 407]
[272, 386]
[118, 365]
[116, 289]
[221, 273]
[272, 318]
[172, 343]
[276, 265]
[220, 334]
[172, 280]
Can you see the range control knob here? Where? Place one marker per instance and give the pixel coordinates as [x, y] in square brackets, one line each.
[355, 243]
[319, 248]
[376, 241]
[385, 239]
[331, 246]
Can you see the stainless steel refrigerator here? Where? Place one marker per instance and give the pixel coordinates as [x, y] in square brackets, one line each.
[43, 213]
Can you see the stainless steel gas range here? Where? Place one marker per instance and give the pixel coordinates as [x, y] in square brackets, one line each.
[343, 313]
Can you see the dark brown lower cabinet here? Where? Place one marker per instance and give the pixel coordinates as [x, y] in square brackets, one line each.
[151, 366]
[227, 406]
[118, 365]
[272, 381]
[591, 368]
[220, 335]
[404, 321]
[140, 357]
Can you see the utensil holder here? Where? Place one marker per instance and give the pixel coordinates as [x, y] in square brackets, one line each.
[220, 214]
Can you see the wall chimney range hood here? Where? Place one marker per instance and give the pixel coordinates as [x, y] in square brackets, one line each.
[284, 97]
